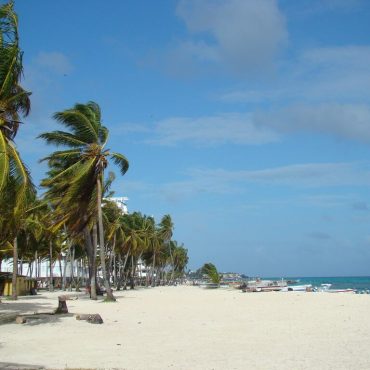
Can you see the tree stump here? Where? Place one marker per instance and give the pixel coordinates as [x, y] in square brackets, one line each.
[91, 318]
[62, 305]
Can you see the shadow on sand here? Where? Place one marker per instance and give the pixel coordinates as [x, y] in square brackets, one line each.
[14, 366]
[30, 306]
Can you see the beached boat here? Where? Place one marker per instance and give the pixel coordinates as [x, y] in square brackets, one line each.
[326, 288]
[209, 286]
[341, 291]
[297, 288]
[264, 285]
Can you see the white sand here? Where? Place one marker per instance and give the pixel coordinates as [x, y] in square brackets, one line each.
[191, 328]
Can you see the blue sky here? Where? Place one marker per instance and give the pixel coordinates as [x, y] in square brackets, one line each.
[246, 120]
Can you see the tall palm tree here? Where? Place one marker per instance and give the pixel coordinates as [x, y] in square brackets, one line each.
[14, 101]
[166, 227]
[15, 181]
[76, 173]
[180, 256]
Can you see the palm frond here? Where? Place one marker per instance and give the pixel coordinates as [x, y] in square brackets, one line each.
[121, 161]
[79, 123]
[4, 162]
[59, 138]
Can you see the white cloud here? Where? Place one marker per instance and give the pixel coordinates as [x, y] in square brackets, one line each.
[347, 121]
[350, 121]
[305, 176]
[55, 61]
[325, 90]
[220, 129]
[308, 175]
[243, 36]
[316, 75]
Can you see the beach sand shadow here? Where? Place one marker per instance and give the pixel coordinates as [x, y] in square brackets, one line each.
[15, 366]
[45, 319]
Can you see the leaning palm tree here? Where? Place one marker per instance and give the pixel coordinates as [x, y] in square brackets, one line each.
[210, 270]
[76, 175]
[15, 182]
[14, 101]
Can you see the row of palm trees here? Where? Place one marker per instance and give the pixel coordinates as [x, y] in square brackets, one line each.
[74, 217]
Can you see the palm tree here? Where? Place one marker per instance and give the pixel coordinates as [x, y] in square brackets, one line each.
[210, 270]
[76, 175]
[166, 227]
[135, 240]
[13, 220]
[14, 100]
[180, 256]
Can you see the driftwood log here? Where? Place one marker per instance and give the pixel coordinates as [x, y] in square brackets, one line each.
[91, 318]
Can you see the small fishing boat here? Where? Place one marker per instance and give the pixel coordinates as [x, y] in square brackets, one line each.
[209, 286]
[326, 288]
[264, 285]
[297, 288]
[341, 291]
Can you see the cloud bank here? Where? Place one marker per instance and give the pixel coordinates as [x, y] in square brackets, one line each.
[240, 36]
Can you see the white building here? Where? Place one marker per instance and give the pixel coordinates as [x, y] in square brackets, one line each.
[121, 203]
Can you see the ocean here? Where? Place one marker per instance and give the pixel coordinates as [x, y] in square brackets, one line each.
[338, 282]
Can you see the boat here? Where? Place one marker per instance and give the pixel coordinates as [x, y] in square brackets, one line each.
[341, 291]
[264, 285]
[209, 286]
[297, 288]
[326, 288]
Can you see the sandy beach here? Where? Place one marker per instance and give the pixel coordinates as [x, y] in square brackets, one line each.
[187, 327]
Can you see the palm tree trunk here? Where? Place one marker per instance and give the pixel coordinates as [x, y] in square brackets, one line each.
[132, 282]
[153, 283]
[78, 278]
[114, 269]
[60, 269]
[112, 261]
[93, 264]
[64, 280]
[72, 268]
[15, 268]
[110, 296]
[172, 263]
[51, 286]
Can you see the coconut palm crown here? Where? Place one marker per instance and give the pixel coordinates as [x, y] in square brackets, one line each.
[76, 170]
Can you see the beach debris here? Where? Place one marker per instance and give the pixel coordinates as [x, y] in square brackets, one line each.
[62, 305]
[20, 320]
[94, 318]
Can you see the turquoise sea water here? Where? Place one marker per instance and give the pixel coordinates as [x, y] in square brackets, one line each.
[338, 282]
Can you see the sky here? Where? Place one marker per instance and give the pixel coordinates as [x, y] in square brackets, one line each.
[247, 121]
